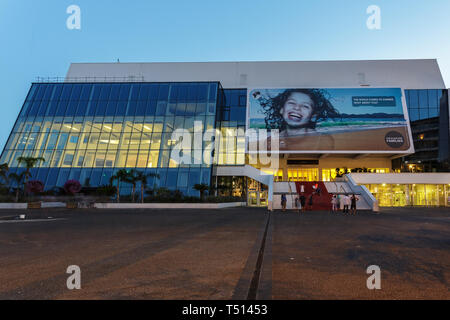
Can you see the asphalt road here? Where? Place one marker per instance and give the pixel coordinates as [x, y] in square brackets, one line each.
[241, 253]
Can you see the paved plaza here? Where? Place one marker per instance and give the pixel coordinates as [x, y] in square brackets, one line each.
[241, 253]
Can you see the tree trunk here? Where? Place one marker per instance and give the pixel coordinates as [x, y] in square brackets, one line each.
[133, 192]
[118, 191]
[17, 194]
[142, 193]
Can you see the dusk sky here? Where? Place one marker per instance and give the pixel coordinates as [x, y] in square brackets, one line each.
[37, 43]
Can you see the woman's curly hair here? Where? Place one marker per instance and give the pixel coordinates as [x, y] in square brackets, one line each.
[322, 109]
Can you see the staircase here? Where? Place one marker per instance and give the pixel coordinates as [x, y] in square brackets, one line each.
[321, 201]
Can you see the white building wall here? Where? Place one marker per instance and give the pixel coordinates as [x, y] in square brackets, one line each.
[407, 74]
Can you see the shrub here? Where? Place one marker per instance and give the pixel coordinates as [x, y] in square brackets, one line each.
[106, 190]
[34, 186]
[72, 186]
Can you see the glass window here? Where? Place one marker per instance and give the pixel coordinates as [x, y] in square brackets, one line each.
[134, 95]
[161, 108]
[413, 99]
[100, 159]
[154, 89]
[111, 108]
[150, 108]
[243, 100]
[82, 108]
[89, 158]
[43, 108]
[423, 98]
[163, 92]
[101, 108]
[110, 159]
[86, 92]
[132, 158]
[66, 91]
[433, 101]
[105, 92]
[142, 159]
[76, 91]
[141, 107]
[183, 178]
[171, 181]
[153, 159]
[96, 176]
[62, 140]
[202, 92]
[31, 94]
[124, 92]
[52, 177]
[131, 110]
[423, 113]
[85, 177]
[115, 90]
[414, 114]
[121, 158]
[433, 112]
[144, 92]
[68, 158]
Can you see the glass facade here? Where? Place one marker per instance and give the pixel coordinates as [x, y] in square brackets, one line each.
[400, 195]
[231, 123]
[429, 116]
[87, 131]
[423, 104]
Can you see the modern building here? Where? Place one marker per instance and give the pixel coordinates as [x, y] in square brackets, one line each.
[370, 122]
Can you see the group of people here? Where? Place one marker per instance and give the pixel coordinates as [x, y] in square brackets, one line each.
[345, 202]
[300, 202]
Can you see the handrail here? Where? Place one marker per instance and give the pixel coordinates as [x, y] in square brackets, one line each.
[131, 78]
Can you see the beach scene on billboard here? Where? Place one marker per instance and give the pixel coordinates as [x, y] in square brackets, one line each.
[363, 119]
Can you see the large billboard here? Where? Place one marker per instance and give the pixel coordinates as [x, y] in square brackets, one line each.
[366, 120]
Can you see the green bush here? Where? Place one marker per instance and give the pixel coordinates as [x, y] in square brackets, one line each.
[106, 190]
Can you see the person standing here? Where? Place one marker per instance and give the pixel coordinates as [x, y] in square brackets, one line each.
[353, 200]
[303, 201]
[346, 203]
[283, 202]
[334, 203]
[298, 204]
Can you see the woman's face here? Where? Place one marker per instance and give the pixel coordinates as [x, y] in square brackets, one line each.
[298, 110]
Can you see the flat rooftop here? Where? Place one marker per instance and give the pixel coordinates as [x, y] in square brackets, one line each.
[407, 74]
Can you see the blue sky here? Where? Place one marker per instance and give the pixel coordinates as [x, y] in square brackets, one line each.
[36, 42]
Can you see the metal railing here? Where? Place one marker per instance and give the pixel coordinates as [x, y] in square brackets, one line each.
[131, 78]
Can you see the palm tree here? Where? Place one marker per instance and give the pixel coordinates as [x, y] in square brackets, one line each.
[29, 162]
[119, 176]
[18, 178]
[202, 187]
[142, 177]
[132, 177]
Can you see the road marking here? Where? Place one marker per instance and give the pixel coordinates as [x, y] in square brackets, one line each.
[35, 220]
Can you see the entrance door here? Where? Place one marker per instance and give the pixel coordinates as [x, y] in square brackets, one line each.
[257, 194]
[253, 197]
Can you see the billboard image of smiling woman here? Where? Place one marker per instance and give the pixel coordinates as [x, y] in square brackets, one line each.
[338, 120]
